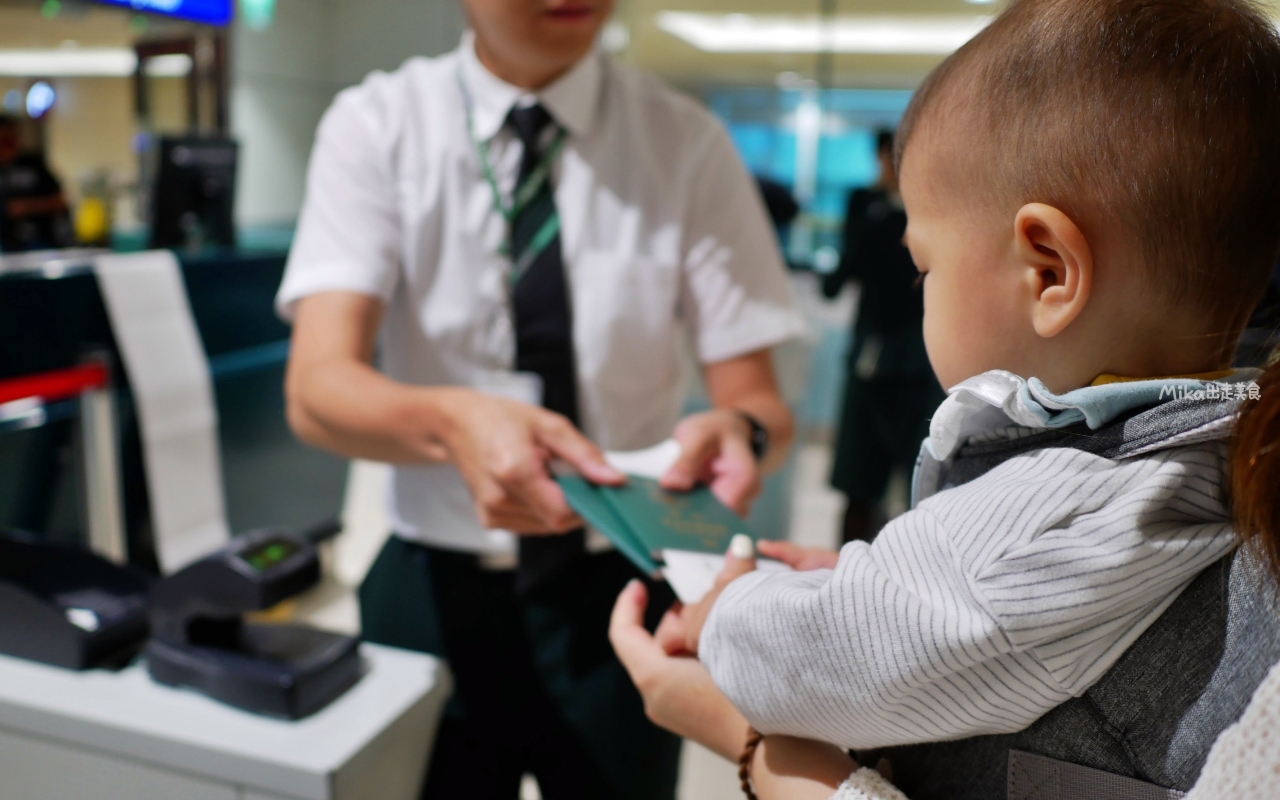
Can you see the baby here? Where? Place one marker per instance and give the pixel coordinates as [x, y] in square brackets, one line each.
[1093, 195]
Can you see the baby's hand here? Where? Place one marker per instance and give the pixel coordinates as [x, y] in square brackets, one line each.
[681, 626]
[797, 557]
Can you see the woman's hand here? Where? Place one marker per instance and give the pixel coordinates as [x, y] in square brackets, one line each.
[678, 692]
[680, 696]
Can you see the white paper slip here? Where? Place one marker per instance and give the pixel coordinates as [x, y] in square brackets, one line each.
[652, 462]
[146, 301]
[691, 575]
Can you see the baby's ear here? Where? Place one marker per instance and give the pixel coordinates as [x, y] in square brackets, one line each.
[1057, 264]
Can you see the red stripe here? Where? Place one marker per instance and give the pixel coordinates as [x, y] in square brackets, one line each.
[53, 386]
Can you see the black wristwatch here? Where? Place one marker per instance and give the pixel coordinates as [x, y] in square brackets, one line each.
[759, 435]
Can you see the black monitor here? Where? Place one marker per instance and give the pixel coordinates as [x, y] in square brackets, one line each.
[194, 197]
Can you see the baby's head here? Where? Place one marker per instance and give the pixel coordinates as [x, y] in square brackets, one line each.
[1093, 186]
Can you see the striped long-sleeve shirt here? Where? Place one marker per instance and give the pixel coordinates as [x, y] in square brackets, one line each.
[980, 610]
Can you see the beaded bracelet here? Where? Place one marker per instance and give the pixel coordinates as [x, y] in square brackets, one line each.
[754, 737]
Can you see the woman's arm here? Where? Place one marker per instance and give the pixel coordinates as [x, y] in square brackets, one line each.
[798, 769]
[680, 696]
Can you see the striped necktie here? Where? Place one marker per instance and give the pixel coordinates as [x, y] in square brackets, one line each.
[544, 331]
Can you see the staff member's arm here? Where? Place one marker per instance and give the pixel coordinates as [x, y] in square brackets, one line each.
[337, 400]
[736, 305]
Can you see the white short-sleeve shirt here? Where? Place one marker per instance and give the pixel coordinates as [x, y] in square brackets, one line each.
[663, 234]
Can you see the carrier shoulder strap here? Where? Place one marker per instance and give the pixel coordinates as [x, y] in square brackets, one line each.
[1034, 777]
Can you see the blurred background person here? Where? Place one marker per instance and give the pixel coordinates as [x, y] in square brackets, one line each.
[890, 390]
[33, 212]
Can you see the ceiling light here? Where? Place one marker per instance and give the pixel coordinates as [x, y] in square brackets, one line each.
[88, 62]
[766, 33]
[173, 65]
[67, 62]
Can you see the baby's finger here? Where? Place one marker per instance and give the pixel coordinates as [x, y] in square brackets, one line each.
[796, 557]
[786, 552]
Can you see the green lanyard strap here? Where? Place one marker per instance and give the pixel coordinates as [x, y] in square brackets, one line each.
[523, 194]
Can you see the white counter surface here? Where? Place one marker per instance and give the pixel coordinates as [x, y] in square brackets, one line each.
[379, 730]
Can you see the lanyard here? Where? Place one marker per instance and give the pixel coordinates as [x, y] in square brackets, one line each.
[523, 194]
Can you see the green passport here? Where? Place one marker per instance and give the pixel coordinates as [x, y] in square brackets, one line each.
[642, 519]
[588, 500]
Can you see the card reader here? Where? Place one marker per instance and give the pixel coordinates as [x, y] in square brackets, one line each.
[67, 607]
[200, 638]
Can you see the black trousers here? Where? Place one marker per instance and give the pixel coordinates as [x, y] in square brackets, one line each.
[537, 687]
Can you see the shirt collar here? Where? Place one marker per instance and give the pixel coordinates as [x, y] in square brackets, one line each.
[998, 399]
[572, 99]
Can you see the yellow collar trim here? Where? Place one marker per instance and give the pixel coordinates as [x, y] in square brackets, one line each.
[1104, 379]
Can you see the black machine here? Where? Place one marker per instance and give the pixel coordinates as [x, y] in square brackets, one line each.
[200, 638]
[194, 196]
[68, 607]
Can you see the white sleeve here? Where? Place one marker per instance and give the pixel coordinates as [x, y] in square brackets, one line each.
[867, 784]
[735, 297]
[348, 236]
[978, 612]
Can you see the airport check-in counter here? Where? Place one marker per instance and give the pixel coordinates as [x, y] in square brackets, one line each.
[117, 733]
[52, 317]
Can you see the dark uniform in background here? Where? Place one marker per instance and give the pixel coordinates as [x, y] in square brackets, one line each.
[891, 392]
[33, 213]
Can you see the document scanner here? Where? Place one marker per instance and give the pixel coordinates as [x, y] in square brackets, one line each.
[67, 607]
[201, 639]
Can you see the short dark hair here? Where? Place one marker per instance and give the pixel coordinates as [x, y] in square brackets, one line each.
[884, 140]
[1160, 115]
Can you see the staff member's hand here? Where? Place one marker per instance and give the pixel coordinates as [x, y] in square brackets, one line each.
[716, 450]
[716, 446]
[337, 400]
[502, 448]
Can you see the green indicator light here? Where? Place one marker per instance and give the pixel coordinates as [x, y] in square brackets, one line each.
[258, 14]
[50, 9]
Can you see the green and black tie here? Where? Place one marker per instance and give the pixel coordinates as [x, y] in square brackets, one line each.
[544, 331]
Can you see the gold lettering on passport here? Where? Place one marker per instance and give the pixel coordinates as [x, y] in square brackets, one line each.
[682, 519]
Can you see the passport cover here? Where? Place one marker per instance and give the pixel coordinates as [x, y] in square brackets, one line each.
[695, 521]
[642, 519]
[586, 498]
